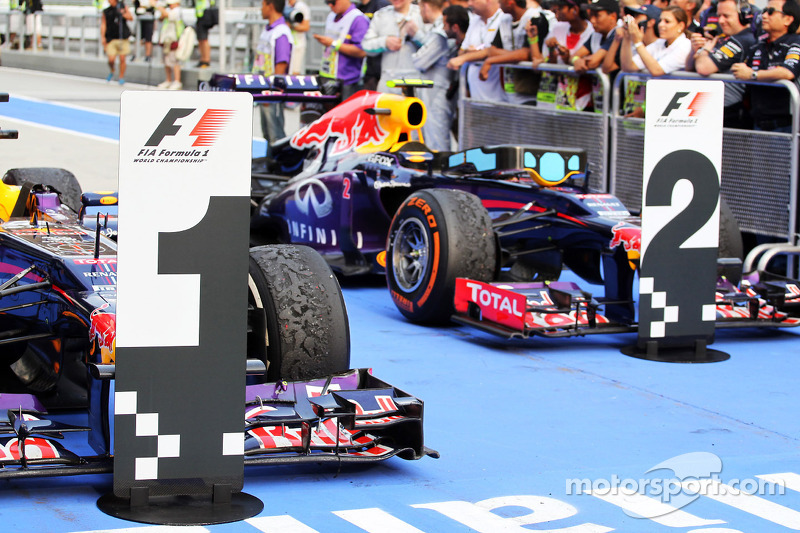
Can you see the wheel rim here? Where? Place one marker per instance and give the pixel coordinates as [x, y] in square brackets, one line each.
[410, 250]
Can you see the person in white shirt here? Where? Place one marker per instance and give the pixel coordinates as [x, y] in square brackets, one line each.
[431, 61]
[528, 24]
[483, 32]
[665, 55]
[395, 33]
[299, 21]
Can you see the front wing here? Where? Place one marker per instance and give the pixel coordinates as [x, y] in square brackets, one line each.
[347, 417]
[562, 309]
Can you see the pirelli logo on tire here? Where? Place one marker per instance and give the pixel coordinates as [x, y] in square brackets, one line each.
[402, 302]
[426, 209]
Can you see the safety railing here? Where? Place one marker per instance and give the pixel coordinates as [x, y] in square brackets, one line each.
[759, 169]
[485, 123]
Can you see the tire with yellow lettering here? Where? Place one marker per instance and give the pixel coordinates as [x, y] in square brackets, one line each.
[436, 236]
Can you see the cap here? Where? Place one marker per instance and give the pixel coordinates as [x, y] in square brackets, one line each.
[612, 6]
[571, 3]
[652, 12]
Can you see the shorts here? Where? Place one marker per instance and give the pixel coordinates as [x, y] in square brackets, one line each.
[170, 57]
[118, 47]
[147, 29]
[209, 19]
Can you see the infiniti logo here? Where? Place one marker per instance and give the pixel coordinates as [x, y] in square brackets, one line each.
[306, 194]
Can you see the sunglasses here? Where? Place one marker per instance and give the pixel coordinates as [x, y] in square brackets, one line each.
[772, 10]
[330, 2]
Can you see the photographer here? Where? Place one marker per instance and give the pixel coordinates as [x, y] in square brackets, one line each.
[114, 34]
[298, 17]
[713, 53]
[667, 54]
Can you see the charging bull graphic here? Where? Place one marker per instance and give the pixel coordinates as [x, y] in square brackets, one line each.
[626, 235]
[103, 330]
[366, 122]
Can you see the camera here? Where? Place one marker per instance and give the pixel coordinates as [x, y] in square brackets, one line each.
[296, 17]
[711, 30]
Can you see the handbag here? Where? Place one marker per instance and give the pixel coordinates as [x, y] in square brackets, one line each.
[186, 43]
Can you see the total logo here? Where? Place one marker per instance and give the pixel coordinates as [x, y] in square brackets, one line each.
[190, 134]
[500, 301]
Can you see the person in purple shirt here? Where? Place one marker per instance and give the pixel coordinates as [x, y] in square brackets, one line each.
[273, 54]
[343, 56]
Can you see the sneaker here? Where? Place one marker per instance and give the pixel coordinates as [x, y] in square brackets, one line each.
[164, 84]
[109, 77]
[122, 81]
[175, 86]
[202, 64]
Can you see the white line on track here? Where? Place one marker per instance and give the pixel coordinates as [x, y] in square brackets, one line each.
[282, 523]
[58, 130]
[790, 480]
[376, 521]
[729, 495]
[15, 96]
[661, 513]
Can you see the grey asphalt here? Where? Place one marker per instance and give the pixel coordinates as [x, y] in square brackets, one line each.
[93, 160]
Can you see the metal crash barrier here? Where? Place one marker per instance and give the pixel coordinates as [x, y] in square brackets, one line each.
[759, 169]
[485, 123]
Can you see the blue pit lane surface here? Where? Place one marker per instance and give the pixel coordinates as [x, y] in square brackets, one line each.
[533, 436]
[74, 119]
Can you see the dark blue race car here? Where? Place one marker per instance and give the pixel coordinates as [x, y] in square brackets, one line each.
[360, 186]
[58, 342]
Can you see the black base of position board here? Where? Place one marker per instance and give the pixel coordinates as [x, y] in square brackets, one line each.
[183, 510]
[699, 354]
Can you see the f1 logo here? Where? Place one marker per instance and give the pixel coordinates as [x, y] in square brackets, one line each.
[695, 107]
[167, 126]
[206, 130]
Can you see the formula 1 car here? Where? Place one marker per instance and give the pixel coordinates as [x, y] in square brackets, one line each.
[58, 330]
[364, 191]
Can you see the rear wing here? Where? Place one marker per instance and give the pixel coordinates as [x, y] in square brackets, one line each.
[277, 88]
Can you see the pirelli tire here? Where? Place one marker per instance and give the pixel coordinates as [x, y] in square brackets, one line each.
[59, 179]
[297, 320]
[436, 236]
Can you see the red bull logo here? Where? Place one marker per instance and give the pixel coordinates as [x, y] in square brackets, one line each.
[103, 330]
[627, 235]
[356, 130]
[348, 123]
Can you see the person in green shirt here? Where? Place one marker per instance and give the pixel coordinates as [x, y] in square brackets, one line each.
[207, 17]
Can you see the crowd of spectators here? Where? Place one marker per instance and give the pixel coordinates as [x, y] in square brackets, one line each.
[434, 39]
